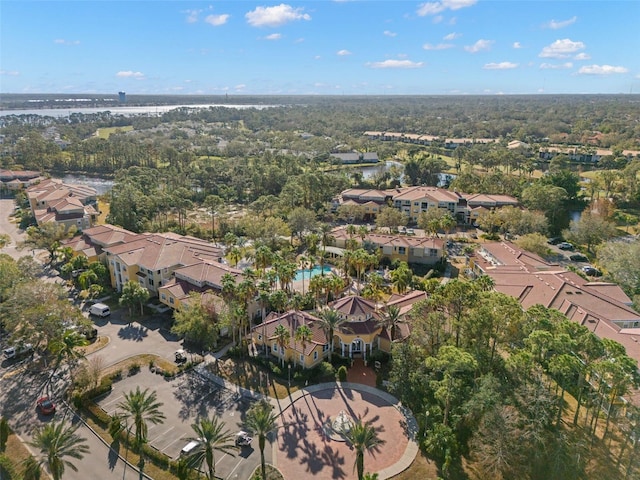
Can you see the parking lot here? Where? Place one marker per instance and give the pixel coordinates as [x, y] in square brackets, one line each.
[185, 399]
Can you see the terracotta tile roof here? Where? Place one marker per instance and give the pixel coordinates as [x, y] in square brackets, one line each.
[292, 320]
[207, 272]
[354, 306]
[601, 306]
[158, 251]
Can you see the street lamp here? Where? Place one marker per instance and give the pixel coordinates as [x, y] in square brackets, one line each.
[289, 375]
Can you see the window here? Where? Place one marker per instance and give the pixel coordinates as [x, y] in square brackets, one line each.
[301, 358]
[171, 300]
[151, 282]
[325, 347]
[315, 355]
[259, 337]
[274, 348]
[163, 296]
[402, 250]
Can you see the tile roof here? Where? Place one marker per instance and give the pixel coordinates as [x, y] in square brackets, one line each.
[354, 306]
[601, 306]
[292, 320]
[165, 250]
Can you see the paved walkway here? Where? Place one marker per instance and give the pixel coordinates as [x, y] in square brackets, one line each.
[303, 449]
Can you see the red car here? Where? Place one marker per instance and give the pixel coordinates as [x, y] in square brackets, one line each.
[45, 406]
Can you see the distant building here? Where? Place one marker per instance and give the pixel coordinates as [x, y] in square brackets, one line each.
[122, 97]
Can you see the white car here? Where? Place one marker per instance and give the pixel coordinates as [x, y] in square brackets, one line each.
[243, 439]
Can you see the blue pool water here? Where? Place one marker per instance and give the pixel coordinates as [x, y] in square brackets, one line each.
[316, 270]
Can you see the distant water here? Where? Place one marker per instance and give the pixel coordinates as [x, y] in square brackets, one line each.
[126, 111]
[101, 185]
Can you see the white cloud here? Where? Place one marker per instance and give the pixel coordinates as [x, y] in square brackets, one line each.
[479, 46]
[298, 40]
[500, 66]
[561, 49]
[273, 36]
[396, 64]
[388, 33]
[601, 70]
[452, 36]
[556, 66]
[437, 19]
[61, 41]
[439, 46]
[343, 53]
[130, 74]
[516, 45]
[582, 56]
[217, 20]
[192, 15]
[555, 25]
[9, 73]
[275, 16]
[433, 8]
[240, 86]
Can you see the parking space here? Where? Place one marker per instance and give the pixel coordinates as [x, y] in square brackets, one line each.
[184, 400]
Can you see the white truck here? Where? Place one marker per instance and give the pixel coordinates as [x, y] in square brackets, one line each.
[17, 352]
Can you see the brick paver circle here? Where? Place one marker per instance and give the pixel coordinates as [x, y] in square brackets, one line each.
[304, 450]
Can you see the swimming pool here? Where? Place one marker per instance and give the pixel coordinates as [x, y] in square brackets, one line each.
[316, 270]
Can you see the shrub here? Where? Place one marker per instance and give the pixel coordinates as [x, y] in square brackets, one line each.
[98, 414]
[115, 376]
[134, 368]
[156, 456]
[326, 370]
[7, 468]
[4, 433]
[342, 373]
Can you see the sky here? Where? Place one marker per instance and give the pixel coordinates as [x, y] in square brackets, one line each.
[322, 47]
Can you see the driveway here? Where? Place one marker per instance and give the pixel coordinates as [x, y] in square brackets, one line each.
[149, 335]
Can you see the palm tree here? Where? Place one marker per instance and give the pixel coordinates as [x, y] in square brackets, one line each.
[364, 438]
[211, 436]
[304, 262]
[261, 421]
[58, 440]
[282, 336]
[303, 335]
[329, 322]
[65, 349]
[141, 407]
[390, 320]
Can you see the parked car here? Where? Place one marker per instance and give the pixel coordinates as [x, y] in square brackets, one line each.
[243, 439]
[591, 271]
[17, 352]
[578, 257]
[45, 406]
[565, 246]
[181, 356]
[100, 310]
[554, 240]
[190, 447]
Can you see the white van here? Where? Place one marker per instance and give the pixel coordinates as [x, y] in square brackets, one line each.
[189, 447]
[100, 310]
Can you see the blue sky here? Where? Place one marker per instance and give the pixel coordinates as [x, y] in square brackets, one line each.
[379, 47]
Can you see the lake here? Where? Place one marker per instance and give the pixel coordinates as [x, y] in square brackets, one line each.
[126, 111]
[101, 185]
